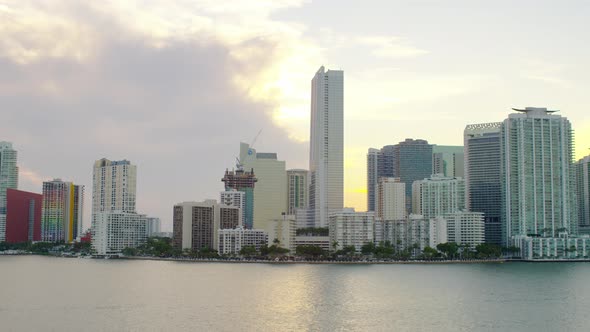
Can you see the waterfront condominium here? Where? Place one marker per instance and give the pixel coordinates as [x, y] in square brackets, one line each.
[113, 186]
[196, 225]
[326, 160]
[23, 216]
[350, 228]
[583, 193]
[482, 176]
[62, 211]
[297, 190]
[538, 186]
[114, 231]
[237, 199]
[8, 180]
[438, 195]
[270, 193]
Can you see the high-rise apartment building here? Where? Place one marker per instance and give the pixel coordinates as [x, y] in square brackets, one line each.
[448, 160]
[583, 193]
[23, 216]
[297, 190]
[113, 186]
[374, 157]
[8, 180]
[326, 161]
[391, 199]
[62, 211]
[154, 226]
[236, 199]
[413, 162]
[482, 176]
[270, 193]
[437, 195]
[538, 184]
[114, 231]
[196, 225]
[240, 181]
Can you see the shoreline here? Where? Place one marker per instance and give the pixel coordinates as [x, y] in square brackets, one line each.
[475, 261]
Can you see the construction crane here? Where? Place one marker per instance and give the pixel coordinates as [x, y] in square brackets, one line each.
[239, 164]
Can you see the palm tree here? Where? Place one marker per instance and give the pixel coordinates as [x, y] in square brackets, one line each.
[335, 245]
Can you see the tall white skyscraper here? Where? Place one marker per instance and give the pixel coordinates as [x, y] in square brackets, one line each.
[113, 186]
[326, 161]
[8, 180]
[537, 173]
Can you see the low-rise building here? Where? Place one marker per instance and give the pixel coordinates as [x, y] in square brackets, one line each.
[114, 231]
[231, 241]
[312, 240]
[562, 247]
[284, 230]
[350, 228]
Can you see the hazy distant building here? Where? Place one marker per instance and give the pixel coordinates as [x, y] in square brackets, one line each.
[297, 190]
[196, 224]
[270, 193]
[23, 217]
[391, 199]
[448, 160]
[538, 184]
[326, 162]
[241, 181]
[8, 180]
[62, 211]
[114, 231]
[350, 228]
[482, 176]
[154, 226]
[437, 195]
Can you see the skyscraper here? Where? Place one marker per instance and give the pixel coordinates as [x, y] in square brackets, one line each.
[114, 186]
[241, 181]
[115, 223]
[8, 180]
[583, 193]
[62, 211]
[326, 161]
[270, 193]
[297, 190]
[413, 162]
[237, 199]
[538, 184]
[23, 216]
[482, 176]
[373, 157]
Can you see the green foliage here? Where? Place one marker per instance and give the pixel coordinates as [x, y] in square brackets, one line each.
[430, 253]
[129, 251]
[248, 251]
[449, 249]
[309, 250]
[273, 250]
[486, 250]
[313, 231]
[368, 248]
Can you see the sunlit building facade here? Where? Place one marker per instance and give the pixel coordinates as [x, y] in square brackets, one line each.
[326, 162]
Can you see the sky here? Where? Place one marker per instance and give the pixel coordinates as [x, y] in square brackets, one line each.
[174, 86]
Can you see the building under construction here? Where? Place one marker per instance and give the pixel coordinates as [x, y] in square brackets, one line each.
[243, 181]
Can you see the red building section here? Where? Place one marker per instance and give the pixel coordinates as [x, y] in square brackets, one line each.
[23, 212]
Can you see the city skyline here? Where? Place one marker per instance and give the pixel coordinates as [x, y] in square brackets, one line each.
[406, 84]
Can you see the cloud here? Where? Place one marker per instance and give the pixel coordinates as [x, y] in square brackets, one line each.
[389, 46]
[78, 83]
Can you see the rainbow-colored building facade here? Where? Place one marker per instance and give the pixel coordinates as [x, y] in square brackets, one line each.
[62, 211]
